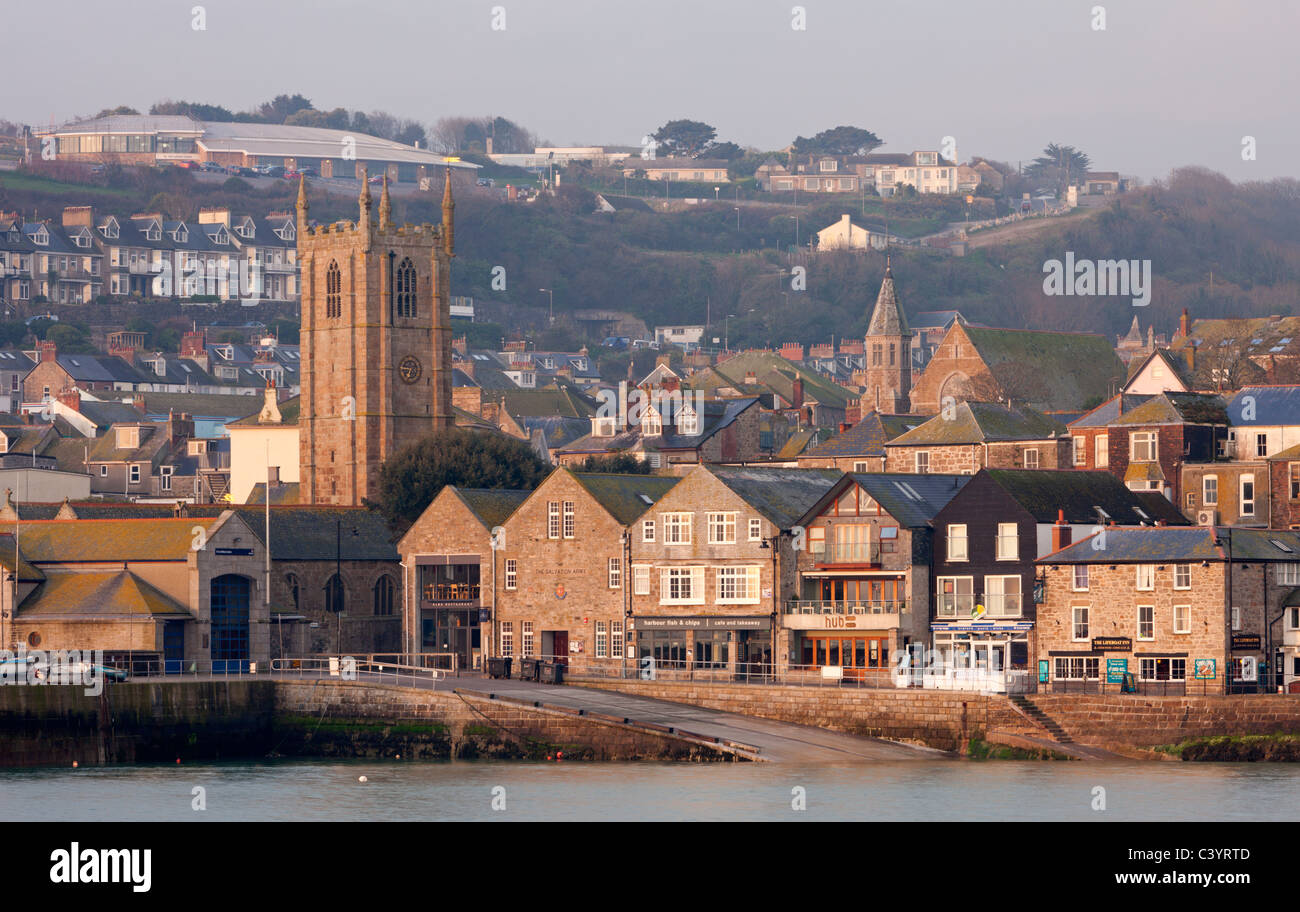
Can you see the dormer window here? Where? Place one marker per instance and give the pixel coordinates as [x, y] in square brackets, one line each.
[109, 229]
[688, 422]
[82, 239]
[651, 423]
[128, 438]
[181, 236]
[41, 237]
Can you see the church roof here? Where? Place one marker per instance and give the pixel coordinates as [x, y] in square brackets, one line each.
[887, 319]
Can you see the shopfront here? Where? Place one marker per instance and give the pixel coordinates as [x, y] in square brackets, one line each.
[450, 607]
[737, 644]
[981, 655]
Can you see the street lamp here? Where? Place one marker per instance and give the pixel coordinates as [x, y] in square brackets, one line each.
[551, 317]
[715, 194]
[796, 229]
[737, 208]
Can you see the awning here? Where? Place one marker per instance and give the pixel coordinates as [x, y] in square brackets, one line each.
[983, 627]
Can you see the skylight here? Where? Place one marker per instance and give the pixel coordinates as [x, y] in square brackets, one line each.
[646, 498]
[1282, 546]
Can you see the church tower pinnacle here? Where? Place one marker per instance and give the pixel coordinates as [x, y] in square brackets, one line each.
[888, 352]
[385, 208]
[448, 218]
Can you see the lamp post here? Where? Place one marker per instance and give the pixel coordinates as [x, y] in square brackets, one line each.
[796, 230]
[551, 311]
[715, 194]
[737, 219]
[336, 589]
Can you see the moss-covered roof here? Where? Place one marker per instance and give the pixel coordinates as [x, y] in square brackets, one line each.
[290, 409]
[1143, 545]
[1178, 408]
[782, 495]
[102, 594]
[763, 363]
[1044, 492]
[492, 506]
[625, 496]
[112, 540]
[1071, 369]
[982, 422]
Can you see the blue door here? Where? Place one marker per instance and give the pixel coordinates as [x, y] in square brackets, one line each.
[230, 597]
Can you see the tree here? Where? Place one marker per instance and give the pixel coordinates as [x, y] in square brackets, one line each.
[120, 109]
[838, 141]
[725, 150]
[411, 479]
[685, 137]
[1063, 165]
[617, 464]
[278, 109]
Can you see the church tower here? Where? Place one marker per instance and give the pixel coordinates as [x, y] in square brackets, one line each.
[376, 344]
[888, 348]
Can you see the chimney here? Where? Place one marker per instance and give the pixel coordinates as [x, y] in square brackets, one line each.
[138, 402]
[797, 393]
[461, 344]
[1061, 533]
[72, 399]
[49, 351]
[844, 426]
[192, 344]
[78, 217]
[792, 351]
[1184, 324]
[1191, 357]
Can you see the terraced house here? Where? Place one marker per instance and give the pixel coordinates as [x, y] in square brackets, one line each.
[1185, 610]
[712, 565]
[563, 589]
[967, 437]
[863, 588]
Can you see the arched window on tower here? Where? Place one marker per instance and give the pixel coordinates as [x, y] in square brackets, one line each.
[333, 291]
[404, 288]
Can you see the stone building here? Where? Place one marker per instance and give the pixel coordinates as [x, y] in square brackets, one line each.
[1183, 609]
[564, 565]
[888, 346]
[452, 573]
[712, 564]
[860, 448]
[970, 436]
[376, 344]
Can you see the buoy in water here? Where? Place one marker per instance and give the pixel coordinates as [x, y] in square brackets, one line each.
[362, 779]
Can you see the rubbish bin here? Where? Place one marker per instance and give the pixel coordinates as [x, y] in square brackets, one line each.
[499, 667]
[552, 673]
[528, 669]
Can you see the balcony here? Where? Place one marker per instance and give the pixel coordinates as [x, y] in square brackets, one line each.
[820, 614]
[850, 553]
[451, 592]
[996, 605]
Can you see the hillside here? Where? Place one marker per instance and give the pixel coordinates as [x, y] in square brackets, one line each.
[664, 267]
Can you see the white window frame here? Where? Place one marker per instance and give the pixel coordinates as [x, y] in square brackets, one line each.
[616, 639]
[647, 530]
[1236, 618]
[755, 530]
[552, 519]
[570, 519]
[1149, 623]
[1149, 441]
[737, 585]
[677, 528]
[1005, 541]
[1079, 618]
[1076, 668]
[922, 463]
[507, 638]
[1031, 458]
[615, 569]
[1287, 574]
[955, 555]
[1210, 498]
[602, 640]
[135, 474]
[722, 528]
[1185, 571]
[1186, 621]
[1080, 451]
[512, 573]
[1101, 451]
[1074, 578]
[690, 585]
[1243, 503]
[526, 638]
[1144, 577]
[640, 579]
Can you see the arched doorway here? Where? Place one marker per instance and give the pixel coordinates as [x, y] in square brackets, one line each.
[230, 597]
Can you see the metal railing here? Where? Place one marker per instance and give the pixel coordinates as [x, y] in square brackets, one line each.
[451, 592]
[995, 605]
[850, 553]
[354, 668]
[847, 606]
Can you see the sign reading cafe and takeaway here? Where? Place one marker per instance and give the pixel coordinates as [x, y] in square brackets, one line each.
[761, 622]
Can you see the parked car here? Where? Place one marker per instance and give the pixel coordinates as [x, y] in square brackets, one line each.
[275, 171]
[292, 175]
[245, 172]
[211, 166]
[75, 672]
[377, 179]
[309, 172]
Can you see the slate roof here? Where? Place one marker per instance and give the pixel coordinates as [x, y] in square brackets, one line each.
[982, 422]
[309, 533]
[492, 506]
[1174, 361]
[1042, 492]
[201, 405]
[1160, 508]
[99, 369]
[913, 500]
[285, 493]
[1259, 544]
[28, 573]
[762, 363]
[625, 496]
[290, 409]
[1178, 408]
[1073, 368]
[538, 402]
[101, 594]
[1272, 406]
[784, 496]
[1257, 337]
[887, 319]
[1105, 414]
[559, 431]
[105, 414]
[936, 319]
[868, 436]
[1144, 545]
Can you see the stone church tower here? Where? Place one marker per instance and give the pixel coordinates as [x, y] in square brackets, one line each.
[376, 344]
[888, 349]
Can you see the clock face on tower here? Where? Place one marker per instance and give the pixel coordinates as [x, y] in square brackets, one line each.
[410, 369]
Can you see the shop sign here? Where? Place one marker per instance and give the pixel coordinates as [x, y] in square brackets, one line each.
[1246, 642]
[703, 623]
[1112, 644]
[1115, 670]
[1205, 669]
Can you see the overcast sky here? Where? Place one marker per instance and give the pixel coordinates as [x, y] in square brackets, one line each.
[1167, 83]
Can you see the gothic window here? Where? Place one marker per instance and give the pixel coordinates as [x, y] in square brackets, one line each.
[404, 286]
[334, 597]
[384, 591]
[294, 589]
[333, 291]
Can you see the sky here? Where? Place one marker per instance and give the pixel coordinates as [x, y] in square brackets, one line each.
[1165, 83]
